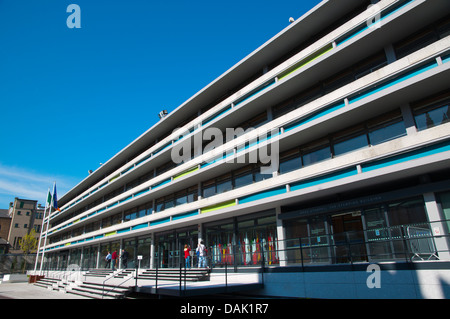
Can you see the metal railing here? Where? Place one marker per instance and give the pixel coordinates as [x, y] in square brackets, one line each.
[112, 276]
[407, 243]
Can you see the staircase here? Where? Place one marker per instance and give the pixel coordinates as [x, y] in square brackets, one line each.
[100, 291]
[98, 284]
[107, 284]
[51, 283]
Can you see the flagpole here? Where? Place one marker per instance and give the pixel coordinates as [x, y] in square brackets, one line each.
[46, 229]
[42, 231]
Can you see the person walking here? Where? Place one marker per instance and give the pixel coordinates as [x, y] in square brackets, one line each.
[124, 257]
[201, 250]
[187, 256]
[108, 260]
[113, 260]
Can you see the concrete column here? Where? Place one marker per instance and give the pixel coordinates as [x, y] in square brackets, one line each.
[98, 256]
[408, 119]
[437, 227]
[152, 252]
[281, 236]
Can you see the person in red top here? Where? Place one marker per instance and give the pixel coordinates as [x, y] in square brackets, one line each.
[113, 260]
[187, 256]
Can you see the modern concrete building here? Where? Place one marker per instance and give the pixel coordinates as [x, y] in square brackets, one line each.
[347, 164]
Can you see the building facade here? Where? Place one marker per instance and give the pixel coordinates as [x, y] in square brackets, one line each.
[25, 215]
[5, 223]
[328, 145]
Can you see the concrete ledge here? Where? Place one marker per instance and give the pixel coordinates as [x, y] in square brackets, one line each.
[15, 278]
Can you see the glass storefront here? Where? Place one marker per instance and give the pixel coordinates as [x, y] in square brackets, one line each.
[243, 241]
[90, 255]
[130, 247]
[169, 246]
[143, 249]
[358, 235]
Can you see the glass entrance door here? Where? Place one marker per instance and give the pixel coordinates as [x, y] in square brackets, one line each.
[348, 235]
[170, 247]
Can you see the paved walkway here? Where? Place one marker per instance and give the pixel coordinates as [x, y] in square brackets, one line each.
[24, 290]
[234, 281]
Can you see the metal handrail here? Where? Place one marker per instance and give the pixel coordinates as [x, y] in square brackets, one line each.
[110, 277]
[118, 285]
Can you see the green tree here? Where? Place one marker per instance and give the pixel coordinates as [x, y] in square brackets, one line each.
[29, 244]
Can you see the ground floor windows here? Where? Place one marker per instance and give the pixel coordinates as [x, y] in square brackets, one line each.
[243, 241]
[444, 201]
[375, 228]
[169, 247]
[377, 233]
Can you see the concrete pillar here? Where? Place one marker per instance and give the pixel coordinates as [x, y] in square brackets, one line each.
[408, 119]
[437, 227]
[152, 252]
[281, 236]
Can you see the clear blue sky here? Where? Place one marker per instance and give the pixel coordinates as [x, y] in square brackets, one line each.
[72, 98]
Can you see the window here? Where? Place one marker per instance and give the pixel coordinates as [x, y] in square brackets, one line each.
[415, 42]
[209, 188]
[181, 198]
[433, 112]
[169, 202]
[224, 184]
[350, 144]
[316, 152]
[386, 128]
[388, 132]
[407, 212]
[159, 205]
[299, 100]
[243, 177]
[349, 140]
[184, 196]
[290, 161]
[16, 225]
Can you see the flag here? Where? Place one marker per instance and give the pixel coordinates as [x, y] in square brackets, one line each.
[49, 199]
[55, 199]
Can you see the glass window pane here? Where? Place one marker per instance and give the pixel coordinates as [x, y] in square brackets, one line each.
[159, 206]
[209, 191]
[350, 144]
[224, 186]
[181, 200]
[316, 156]
[243, 180]
[407, 212]
[290, 165]
[169, 203]
[260, 177]
[432, 118]
[387, 133]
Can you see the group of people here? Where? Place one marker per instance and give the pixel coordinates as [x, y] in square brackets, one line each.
[112, 260]
[201, 251]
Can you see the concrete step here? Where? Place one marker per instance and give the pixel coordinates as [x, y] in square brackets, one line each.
[99, 291]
